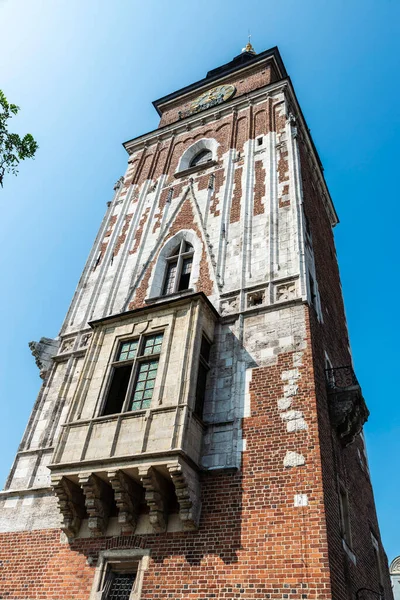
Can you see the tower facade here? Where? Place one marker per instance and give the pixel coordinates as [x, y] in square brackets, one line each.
[198, 433]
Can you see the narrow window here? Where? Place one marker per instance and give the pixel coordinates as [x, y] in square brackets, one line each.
[344, 515]
[169, 285]
[259, 141]
[185, 274]
[313, 295]
[133, 364]
[202, 157]
[307, 222]
[179, 268]
[378, 562]
[202, 373]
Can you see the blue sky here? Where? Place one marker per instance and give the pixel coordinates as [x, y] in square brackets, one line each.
[85, 74]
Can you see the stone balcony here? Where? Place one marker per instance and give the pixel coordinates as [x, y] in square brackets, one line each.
[347, 408]
[127, 464]
[154, 488]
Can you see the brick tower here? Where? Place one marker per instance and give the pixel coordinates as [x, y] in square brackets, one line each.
[198, 433]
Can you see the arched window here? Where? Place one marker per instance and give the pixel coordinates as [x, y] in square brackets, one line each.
[200, 158]
[179, 268]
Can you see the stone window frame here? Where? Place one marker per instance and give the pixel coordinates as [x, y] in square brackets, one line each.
[119, 341]
[190, 153]
[108, 557]
[157, 279]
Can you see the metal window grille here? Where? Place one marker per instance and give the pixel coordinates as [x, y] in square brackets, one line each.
[121, 586]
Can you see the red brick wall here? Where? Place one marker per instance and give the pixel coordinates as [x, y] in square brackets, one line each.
[338, 463]
[252, 541]
[257, 77]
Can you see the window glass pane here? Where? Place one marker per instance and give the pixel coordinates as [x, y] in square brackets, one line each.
[117, 391]
[185, 274]
[128, 350]
[188, 247]
[187, 266]
[201, 157]
[152, 344]
[143, 390]
[170, 278]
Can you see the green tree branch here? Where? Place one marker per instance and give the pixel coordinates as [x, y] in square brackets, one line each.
[13, 148]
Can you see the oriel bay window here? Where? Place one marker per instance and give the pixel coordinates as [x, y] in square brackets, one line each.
[133, 374]
[179, 268]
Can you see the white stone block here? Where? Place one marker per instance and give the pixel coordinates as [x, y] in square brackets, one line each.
[301, 500]
[293, 459]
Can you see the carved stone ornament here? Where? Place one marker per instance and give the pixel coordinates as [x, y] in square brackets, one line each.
[286, 291]
[43, 352]
[85, 339]
[230, 306]
[71, 504]
[67, 345]
[155, 496]
[187, 489]
[128, 496]
[347, 408]
[98, 501]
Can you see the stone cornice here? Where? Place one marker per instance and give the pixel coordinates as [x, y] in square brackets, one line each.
[207, 116]
[221, 77]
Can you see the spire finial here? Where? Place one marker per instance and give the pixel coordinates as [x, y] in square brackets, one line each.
[248, 47]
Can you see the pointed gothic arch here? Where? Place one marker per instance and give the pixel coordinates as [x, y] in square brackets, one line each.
[175, 247]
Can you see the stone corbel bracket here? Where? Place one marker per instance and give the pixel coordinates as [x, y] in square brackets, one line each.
[155, 495]
[128, 496]
[98, 501]
[187, 489]
[43, 352]
[71, 503]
